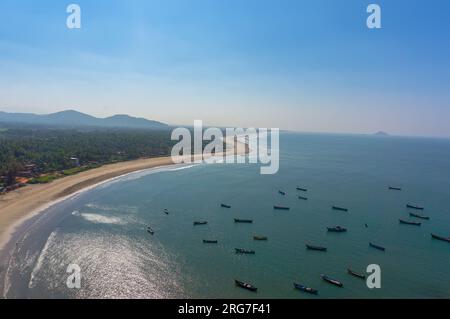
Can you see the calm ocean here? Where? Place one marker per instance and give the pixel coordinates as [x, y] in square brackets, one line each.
[104, 230]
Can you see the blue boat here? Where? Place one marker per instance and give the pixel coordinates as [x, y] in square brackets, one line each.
[377, 247]
[306, 289]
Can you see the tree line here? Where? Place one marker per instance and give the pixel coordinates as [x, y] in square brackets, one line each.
[52, 149]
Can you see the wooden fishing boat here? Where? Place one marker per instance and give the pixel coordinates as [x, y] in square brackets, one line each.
[340, 209]
[405, 222]
[332, 281]
[316, 248]
[447, 239]
[246, 286]
[281, 208]
[419, 216]
[377, 247]
[337, 229]
[244, 251]
[260, 238]
[415, 207]
[243, 221]
[205, 241]
[355, 274]
[306, 289]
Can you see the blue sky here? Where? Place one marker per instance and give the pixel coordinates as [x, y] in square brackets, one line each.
[299, 65]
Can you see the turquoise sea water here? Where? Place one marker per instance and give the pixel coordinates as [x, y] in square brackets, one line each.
[104, 230]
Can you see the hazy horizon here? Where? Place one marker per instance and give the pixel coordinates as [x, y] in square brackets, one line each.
[309, 66]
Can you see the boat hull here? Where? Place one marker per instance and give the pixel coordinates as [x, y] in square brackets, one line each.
[306, 289]
[441, 238]
[341, 209]
[281, 208]
[257, 238]
[404, 222]
[246, 286]
[354, 274]
[419, 216]
[200, 223]
[377, 247]
[316, 248]
[240, 251]
[243, 221]
[414, 207]
[332, 281]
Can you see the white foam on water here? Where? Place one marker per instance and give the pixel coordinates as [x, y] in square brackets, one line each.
[102, 219]
[41, 258]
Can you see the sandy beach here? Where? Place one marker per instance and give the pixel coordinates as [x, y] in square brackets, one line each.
[22, 204]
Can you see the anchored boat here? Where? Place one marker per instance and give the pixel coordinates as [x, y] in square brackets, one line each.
[302, 189]
[394, 188]
[243, 221]
[306, 289]
[447, 239]
[405, 222]
[332, 281]
[355, 274]
[282, 193]
[337, 229]
[303, 198]
[415, 207]
[246, 286]
[419, 216]
[244, 251]
[210, 241]
[225, 206]
[260, 238]
[316, 248]
[377, 247]
[342, 209]
[200, 223]
[281, 208]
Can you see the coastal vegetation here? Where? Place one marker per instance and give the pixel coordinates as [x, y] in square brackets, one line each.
[42, 154]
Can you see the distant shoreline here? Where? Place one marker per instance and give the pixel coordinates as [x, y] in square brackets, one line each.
[22, 204]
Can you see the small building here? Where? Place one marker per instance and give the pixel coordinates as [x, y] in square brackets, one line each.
[75, 161]
[26, 174]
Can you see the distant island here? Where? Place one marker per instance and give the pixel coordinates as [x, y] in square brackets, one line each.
[381, 133]
[76, 119]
